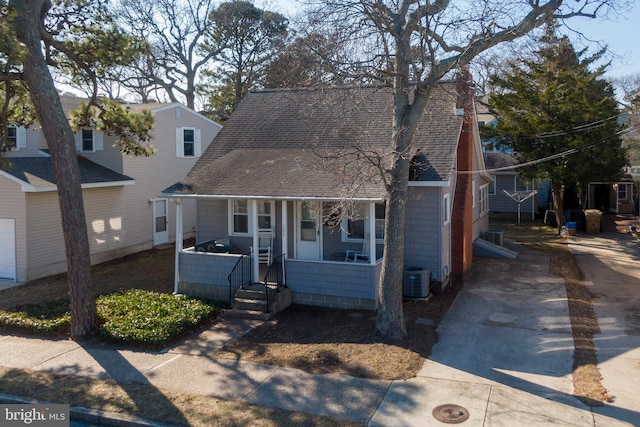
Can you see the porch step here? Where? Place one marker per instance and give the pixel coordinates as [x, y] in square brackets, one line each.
[250, 303]
[248, 314]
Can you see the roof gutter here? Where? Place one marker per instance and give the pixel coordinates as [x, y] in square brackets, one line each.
[262, 197]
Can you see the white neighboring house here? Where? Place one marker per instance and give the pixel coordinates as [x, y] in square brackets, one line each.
[123, 210]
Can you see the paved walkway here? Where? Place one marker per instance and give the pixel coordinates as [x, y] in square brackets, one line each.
[504, 355]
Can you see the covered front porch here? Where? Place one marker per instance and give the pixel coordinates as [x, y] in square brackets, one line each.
[326, 257]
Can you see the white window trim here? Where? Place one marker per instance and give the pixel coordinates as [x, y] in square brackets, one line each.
[446, 208]
[344, 226]
[197, 142]
[473, 193]
[98, 140]
[250, 214]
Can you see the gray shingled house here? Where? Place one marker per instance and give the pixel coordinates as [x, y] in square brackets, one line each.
[300, 166]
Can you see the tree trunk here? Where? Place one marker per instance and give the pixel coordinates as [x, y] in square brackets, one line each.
[558, 202]
[390, 316]
[60, 140]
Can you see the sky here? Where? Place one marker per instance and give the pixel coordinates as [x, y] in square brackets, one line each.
[621, 34]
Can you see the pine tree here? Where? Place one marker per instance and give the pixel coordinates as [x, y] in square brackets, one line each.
[559, 117]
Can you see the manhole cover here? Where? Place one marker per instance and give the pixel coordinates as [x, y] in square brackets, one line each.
[450, 414]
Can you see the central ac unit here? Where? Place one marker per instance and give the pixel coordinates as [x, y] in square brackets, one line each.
[495, 236]
[416, 283]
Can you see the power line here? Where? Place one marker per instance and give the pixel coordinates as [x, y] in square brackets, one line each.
[548, 158]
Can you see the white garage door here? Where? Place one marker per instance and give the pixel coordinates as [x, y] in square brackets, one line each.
[7, 249]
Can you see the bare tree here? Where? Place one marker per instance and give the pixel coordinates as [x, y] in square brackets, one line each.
[413, 44]
[175, 30]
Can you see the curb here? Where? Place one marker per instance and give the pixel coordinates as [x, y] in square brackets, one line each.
[93, 416]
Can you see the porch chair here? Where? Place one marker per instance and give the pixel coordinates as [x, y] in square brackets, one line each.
[354, 256]
[265, 246]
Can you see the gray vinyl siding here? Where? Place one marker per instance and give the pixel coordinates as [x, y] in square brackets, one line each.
[212, 219]
[424, 229]
[334, 284]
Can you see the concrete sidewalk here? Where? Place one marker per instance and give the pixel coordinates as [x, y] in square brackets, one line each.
[504, 355]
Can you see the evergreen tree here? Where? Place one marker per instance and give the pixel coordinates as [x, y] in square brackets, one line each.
[559, 117]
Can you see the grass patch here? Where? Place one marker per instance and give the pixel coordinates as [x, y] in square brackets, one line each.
[166, 406]
[132, 317]
[47, 319]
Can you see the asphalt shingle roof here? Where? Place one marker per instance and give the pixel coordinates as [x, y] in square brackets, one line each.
[38, 172]
[304, 142]
[501, 161]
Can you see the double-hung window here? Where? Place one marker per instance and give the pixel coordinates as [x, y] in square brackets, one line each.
[241, 216]
[188, 142]
[446, 208]
[15, 138]
[483, 198]
[88, 140]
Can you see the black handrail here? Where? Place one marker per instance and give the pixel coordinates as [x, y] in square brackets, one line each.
[274, 279]
[241, 275]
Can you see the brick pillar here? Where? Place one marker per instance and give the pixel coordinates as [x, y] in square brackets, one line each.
[462, 209]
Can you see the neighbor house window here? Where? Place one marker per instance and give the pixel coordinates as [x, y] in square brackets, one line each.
[356, 225]
[188, 142]
[88, 140]
[492, 186]
[241, 216]
[15, 138]
[622, 192]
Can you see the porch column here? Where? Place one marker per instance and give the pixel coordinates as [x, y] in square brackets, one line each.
[284, 239]
[179, 243]
[372, 233]
[256, 241]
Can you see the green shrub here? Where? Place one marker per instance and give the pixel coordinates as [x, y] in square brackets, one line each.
[138, 317]
[132, 317]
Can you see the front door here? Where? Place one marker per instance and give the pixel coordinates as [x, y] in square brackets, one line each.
[308, 231]
[160, 222]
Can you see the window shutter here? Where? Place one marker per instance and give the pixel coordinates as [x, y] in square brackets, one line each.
[21, 137]
[98, 140]
[197, 143]
[78, 138]
[179, 143]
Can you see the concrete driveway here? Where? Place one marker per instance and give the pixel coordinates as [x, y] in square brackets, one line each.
[505, 349]
[610, 265]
